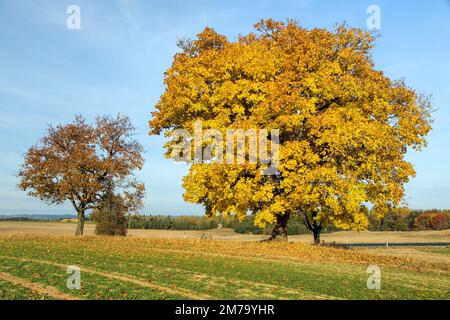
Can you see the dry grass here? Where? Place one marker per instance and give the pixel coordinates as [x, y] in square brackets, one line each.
[67, 228]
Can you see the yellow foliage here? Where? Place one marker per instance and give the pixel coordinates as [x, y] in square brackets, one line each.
[345, 127]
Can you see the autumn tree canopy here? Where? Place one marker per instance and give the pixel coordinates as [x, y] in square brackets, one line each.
[82, 163]
[344, 126]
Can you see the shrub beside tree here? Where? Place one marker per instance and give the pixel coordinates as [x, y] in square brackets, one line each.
[110, 216]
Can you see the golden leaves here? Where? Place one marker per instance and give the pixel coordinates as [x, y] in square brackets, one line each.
[345, 127]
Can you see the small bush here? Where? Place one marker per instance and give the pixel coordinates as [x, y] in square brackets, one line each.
[110, 217]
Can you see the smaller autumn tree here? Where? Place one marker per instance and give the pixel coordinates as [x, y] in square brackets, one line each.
[81, 163]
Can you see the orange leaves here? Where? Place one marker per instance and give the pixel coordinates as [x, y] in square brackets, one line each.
[79, 162]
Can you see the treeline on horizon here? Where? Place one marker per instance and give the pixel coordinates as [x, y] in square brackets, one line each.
[246, 226]
[37, 217]
[399, 219]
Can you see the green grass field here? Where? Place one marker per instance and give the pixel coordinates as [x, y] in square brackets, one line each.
[114, 268]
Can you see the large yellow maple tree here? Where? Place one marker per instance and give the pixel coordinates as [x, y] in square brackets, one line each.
[344, 127]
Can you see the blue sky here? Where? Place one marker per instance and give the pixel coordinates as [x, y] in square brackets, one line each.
[115, 63]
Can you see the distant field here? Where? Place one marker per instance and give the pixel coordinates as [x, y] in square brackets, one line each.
[444, 251]
[68, 228]
[34, 267]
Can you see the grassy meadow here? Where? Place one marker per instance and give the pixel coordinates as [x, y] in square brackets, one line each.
[35, 267]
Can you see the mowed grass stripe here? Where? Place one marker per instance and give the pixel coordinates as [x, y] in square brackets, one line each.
[37, 287]
[93, 287]
[260, 289]
[344, 280]
[9, 291]
[217, 287]
[188, 276]
[121, 277]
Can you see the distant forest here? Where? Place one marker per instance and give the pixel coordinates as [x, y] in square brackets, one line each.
[399, 219]
[37, 217]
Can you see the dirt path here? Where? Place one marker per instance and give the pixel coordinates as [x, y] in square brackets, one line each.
[116, 276]
[37, 287]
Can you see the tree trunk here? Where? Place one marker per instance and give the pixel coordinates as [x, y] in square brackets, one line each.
[313, 226]
[80, 223]
[279, 232]
[316, 233]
